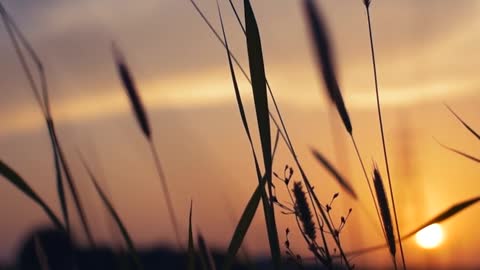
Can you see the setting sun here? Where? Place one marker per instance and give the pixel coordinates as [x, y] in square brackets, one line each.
[430, 237]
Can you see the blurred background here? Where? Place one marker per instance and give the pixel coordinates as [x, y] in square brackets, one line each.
[427, 55]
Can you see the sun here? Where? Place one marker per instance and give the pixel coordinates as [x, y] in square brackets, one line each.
[430, 237]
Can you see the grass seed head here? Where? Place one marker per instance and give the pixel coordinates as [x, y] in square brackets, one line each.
[302, 210]
[384, 210]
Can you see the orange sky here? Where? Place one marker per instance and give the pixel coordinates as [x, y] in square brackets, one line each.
[427, 54]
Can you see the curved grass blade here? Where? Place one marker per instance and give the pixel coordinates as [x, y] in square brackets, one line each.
[191, 248]
[444, 215]
[58, 172]
[128, 240]
[72, 186]
[20, 184]
[459, 152]
[249, 213]
[259, 88]
[205, 255]
[244, 224]
[129, 85]
[463, 122]
[325, 60]
[340, 179]
[18, 40]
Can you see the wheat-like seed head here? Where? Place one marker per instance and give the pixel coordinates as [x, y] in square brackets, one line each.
[384, 210]
[302, 210]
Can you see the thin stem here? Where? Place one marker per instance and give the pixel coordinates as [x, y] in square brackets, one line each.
[42, 99]
[166, 192]
[36, 59]
[368, 182]
[21, 57]
[235, 60]
[238, 17]
[58, 172]
[71, 184]
[383, 137]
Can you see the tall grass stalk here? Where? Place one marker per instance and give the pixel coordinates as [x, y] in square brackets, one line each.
[166, 192]
[315, 202]
[325, 59]
[40, 93]
[379, 111]
[142, 119]
[259, 194]
[237, 63]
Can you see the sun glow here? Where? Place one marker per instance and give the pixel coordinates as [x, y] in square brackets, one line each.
[430, 237]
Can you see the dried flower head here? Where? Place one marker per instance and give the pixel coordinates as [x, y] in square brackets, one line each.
[302, 210]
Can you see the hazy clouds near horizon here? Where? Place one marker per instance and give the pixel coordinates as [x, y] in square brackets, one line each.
[167, 39]
[427, 53]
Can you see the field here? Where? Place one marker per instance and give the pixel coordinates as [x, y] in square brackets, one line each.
[239, 135]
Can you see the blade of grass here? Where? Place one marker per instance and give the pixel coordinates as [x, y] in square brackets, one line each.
[191, 248]
[237, 63]
[463, 122]
[205, 255]
[282, 129]
[268, 207]
[446, 214]
[14, 35]
[244, 224]
[15, 179]
[259, 88]
[340, 179]
[72, 186]
[60, 187]
[246, 219]
[126, 236]
[43, 102]
[443, 216]
[459, 152]
[18, 40]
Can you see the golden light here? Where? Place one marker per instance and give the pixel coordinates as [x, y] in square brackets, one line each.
[430, 237]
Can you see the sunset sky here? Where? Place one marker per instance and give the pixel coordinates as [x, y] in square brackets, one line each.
[427, 53]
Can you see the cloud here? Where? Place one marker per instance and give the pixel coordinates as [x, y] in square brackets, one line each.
[169, 48]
